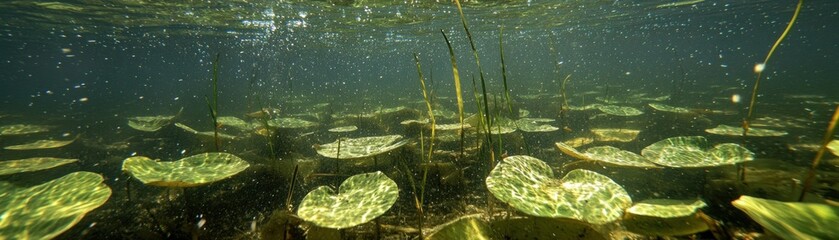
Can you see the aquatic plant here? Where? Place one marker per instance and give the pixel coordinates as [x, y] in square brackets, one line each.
[792, 220]
[46, 210]
[352, 148]
[22, 129]
[41, 144]
[761, 66]
[152, 123]
[527, 184]
[213, 105]
[8, 167]
[196, 170]
[465, 227]
[828, 136]
[665, 217]
[457, 88]
[360, 199]
[694, 151]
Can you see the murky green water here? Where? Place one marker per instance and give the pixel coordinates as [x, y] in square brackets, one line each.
[619, 104]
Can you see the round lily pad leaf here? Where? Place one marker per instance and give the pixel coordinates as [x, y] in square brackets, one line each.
[668, 108]
[41, 144]
[792, 220]
[535, 125]
[527, 184]
[451, 126]
[343, 129]
[32, 164]
[45, 211]
[191, 171]
[665, 217]
[235, 123]
[619, 110]
[833, 146]
[22, 129]
[292, 123]
[578, 142]
[618, 157]
[150, 123]
[360, 199]
[615, 134]
[208, 135]
[727, 130]
[360, 147]
[693, 151]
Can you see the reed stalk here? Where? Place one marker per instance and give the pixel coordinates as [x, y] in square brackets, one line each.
[430, 155]
[457, 88]
[213, 105]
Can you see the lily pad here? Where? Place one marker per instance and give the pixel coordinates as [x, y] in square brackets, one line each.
[22, 129]
[32, 164]
[466, 227]
[727, 130]
[792, 220]
[451, 126]
[41, 144]
[619, 110]
[668, 108]
[360, 199]
[343, 129]
[543, 228]
[694, 151]
[208, 135]
[45, 211]
[535, 125]
[290, 123]
[616, 156]
[360, 147]
[527, 184]
[665, 217]
[615, 134]
[150, 123]
[235, 123]
[833, 146]
[578, 142]
[191, 171]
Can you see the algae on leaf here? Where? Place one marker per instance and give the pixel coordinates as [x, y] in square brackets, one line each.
[527, 184]
[32, 164]
[792, 220]
[360, 147]
[360, 199]
[191, 171]
[45, 211]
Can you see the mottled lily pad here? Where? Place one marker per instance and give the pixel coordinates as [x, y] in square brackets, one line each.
[833, 146]
[578, 142]
[360, 199]
[290, 123]
[32, 164]
[668, 108]
[343, 129]
[619, 110]
[792, 220]
[727, 130]
[466, 227]
[191, 171]
[451, 126]
[695, 151]
[527, 184]
[150, 123]
[360, 147]
[615, 134]
[616, 156]
[665, 217]
[207, 135]
[22, 129]
[535, 125]
[41, 144]
[45, 211]
[235, 123]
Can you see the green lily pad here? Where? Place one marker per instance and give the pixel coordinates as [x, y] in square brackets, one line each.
[235, 123]
[32, 164]
[150, 123]
[694, 151]
[535, 125]
[45, 211]
[41, 144]
[466, 227]
[360, 147]
[665, 217]
[207, 135]
[668, 108]
[615, 134]
[290, 123]
[360, 199]
[451, 126]
[618, 157]
[343, 129]
[727, 130]
[527, 184]
[191, 171]
[792, 220]
[619, 110]
[833, 146]
[22, 129]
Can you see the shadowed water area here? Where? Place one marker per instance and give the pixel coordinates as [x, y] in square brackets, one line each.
[359, 120]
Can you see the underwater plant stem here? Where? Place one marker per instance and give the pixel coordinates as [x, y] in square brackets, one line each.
[214, 104]
[504, 70]
[564, 108]
[760, 67]
[828, 136]
[480, 69]
[457, 88]
[433, 127]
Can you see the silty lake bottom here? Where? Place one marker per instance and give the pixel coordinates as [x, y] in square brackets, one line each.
[361, 120]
